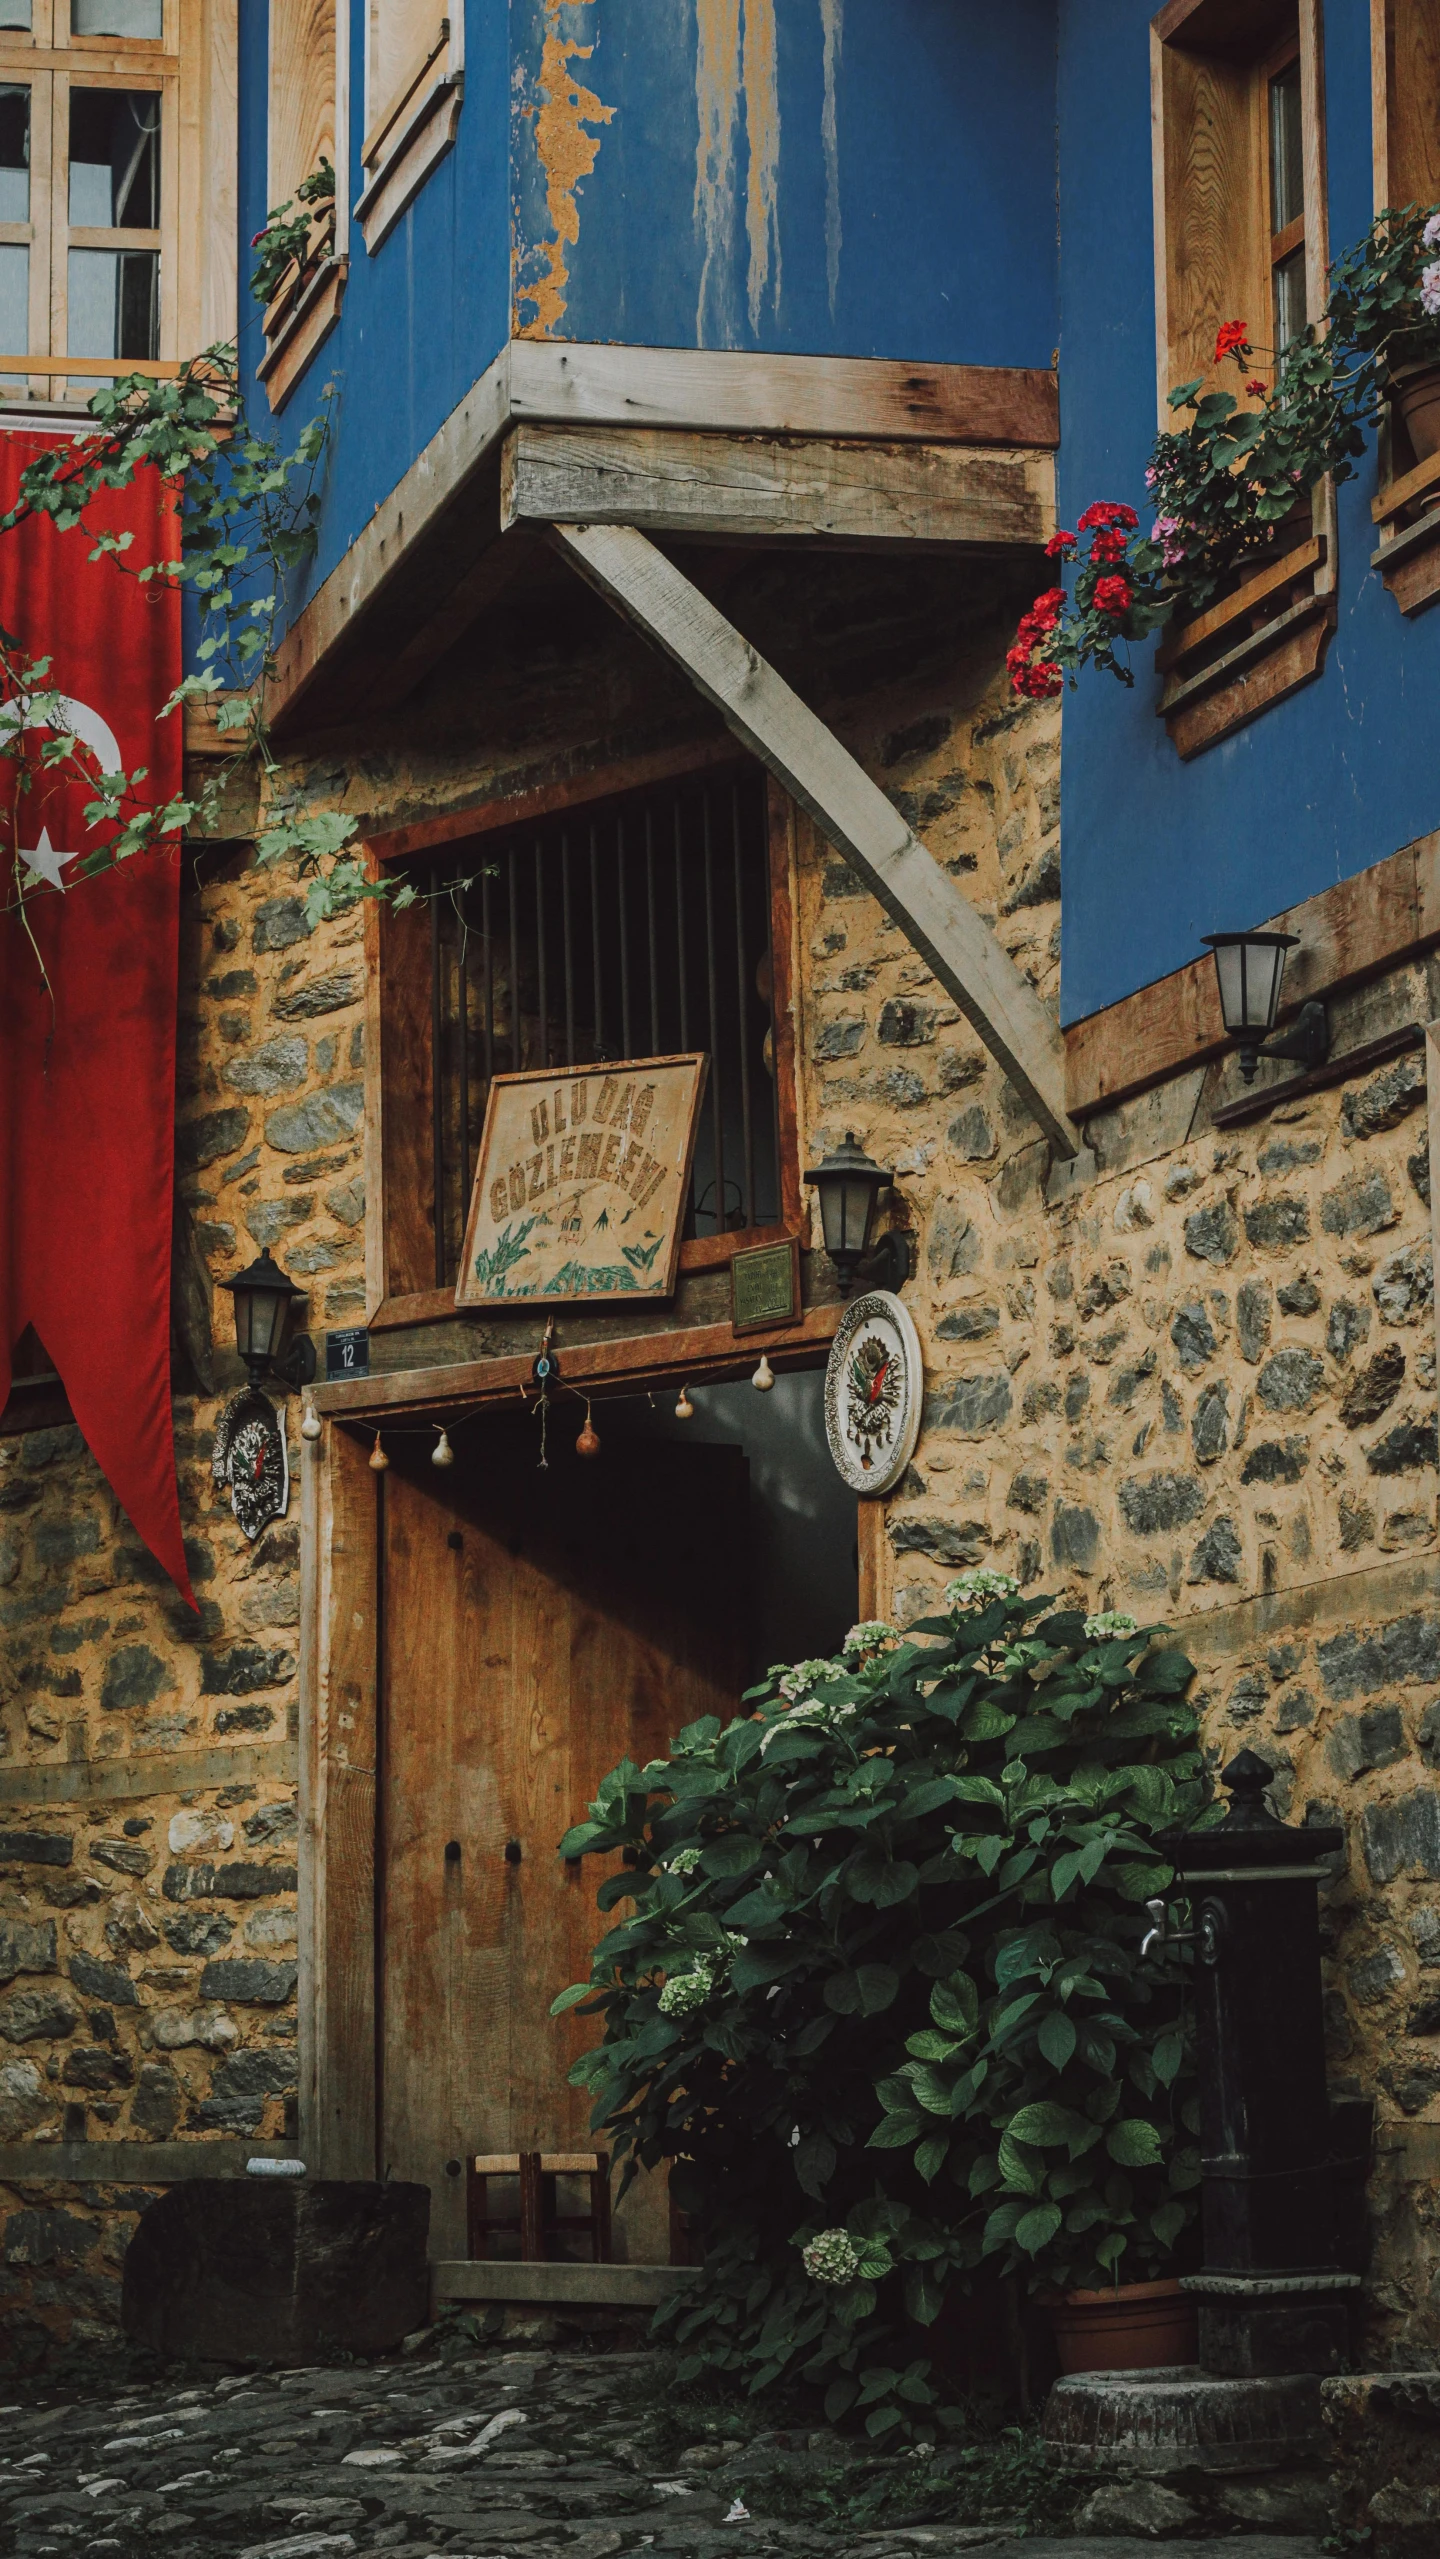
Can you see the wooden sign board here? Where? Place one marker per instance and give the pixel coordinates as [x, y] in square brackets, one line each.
[581, 1184]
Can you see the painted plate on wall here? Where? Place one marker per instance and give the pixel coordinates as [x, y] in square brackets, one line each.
[874, 1390]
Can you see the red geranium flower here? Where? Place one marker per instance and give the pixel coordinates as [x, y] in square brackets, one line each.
[1256, 390]
[1112, 595]
[1038, 683]
[1108, 511]
[1060, 546]
[1108, 544]
[1230, 338]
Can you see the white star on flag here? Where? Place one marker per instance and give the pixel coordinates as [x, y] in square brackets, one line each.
[45, 863]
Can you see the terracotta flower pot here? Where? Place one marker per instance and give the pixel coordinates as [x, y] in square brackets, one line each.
[1132, 2329]
[1416, 392]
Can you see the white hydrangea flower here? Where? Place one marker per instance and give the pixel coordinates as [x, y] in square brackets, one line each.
[685, 1991]
[1430, 290]
[684, 1862]
[1110, 1622]
[1431, 233]
[833, 2258]
[972, 1589]
[811, 1710]
[803, 1675]
[868, 1636]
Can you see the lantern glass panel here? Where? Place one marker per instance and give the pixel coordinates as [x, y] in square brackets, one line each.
[259, 1315]
[1250, 975]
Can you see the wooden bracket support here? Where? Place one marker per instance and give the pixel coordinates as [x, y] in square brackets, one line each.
[809, 761]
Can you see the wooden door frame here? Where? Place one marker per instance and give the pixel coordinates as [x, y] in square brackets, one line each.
[341, 1640]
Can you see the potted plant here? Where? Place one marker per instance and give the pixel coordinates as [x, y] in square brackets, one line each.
[878, 2001]
[1385, 305]
[1228, 488]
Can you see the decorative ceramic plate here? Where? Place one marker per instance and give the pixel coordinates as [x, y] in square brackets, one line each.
[874, 1388]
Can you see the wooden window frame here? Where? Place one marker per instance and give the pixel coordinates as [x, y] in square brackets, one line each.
[398, 1035]
[194, 70]
[305, 308]
[1270, 636]
[1404, 117]
[410, 124]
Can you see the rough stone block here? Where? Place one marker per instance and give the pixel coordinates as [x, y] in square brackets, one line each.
[1402, 1835]
[27, 1946]
[32, 2016]
[249, 1980]
[247, 2271]
[36, 1847]
[1152, 1504]
[103, 1981]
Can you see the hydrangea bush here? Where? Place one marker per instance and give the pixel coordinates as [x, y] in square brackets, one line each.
[878, 1997]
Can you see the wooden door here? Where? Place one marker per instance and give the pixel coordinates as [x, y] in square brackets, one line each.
[539, 1626]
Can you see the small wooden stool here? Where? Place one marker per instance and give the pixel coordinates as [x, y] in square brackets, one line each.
[539, 2220]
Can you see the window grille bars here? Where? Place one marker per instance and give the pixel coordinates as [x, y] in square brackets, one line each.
[642, 927]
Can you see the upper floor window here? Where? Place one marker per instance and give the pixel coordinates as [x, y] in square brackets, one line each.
[1286, 204]
[1239, 184]
[307, 149]
[117, 192]
[414, 54]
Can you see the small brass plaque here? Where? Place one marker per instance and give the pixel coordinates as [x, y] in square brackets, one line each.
[765, 1286]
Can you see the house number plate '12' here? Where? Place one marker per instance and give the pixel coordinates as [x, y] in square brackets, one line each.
[874, 1386]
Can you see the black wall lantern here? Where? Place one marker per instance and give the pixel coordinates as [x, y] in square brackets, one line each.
[849, 1185]
[1251, 968]
[263, 1296]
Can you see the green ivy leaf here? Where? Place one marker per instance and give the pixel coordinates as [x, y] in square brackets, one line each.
[1035, 2230]
[865, 1992]
[875, 1878]
[931, 2155]
[1134, 2143]
[896, 2132]
[732, 1855]
[1045, 2124]
[1057, 2038]
[955, 2004]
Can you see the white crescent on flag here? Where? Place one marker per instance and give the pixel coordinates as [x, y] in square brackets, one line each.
[65, 715]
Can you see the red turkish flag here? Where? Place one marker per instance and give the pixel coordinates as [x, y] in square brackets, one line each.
[87, 1081]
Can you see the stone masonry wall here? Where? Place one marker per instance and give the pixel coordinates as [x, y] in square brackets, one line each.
[148, 1834]
[1202, 1388]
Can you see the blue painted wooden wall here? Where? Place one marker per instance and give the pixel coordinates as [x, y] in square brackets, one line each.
[859, 177]
[1322, 785]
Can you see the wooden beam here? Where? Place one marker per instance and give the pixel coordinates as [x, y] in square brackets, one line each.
[697, 389]
[757, 488]
[131, 2163]
[850, 809]
[630, 1364]
[1348, 932]
[581, 385]
[129, 1780]
[436, 481]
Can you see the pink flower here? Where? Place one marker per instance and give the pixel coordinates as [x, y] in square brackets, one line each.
[1431, 233]
[1430, 290]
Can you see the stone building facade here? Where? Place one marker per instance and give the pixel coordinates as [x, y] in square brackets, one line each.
[1200, 1386]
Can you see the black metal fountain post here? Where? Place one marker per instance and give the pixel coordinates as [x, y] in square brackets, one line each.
[1273, 2296]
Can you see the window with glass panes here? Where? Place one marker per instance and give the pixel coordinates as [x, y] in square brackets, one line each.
[89, 93]
[1238, 119]
[1285, 133]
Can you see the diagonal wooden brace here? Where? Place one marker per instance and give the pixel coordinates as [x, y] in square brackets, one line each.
[803, 754]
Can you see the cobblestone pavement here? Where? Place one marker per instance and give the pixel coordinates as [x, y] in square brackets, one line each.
[484, 2455]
